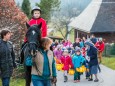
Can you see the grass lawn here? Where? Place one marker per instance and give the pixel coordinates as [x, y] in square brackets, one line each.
[16, 82]
[109, 62]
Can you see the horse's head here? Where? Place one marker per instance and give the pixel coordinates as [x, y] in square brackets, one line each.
[33, 36]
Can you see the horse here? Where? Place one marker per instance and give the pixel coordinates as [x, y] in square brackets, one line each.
[33, 36]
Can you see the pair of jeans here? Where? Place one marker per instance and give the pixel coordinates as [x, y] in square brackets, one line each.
[6, 81]
[65, 73]
[41, 82]
[76, 75]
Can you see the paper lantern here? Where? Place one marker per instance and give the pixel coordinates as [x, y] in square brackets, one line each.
[59, 66]
[71, 71]
[58, 61]
[81, 69]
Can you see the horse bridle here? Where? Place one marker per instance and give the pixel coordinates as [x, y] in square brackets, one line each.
[36, 45]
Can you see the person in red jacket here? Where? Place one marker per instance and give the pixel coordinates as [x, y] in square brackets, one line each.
[67, 62]
[100, 46]
[37, 19]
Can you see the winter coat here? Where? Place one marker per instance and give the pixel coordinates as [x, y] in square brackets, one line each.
[82, 44]
[66, 60]
[76, 44]
[83, 51]
[7, 59]
[67, 44]
[94, 40]
[77, 60]
[92, 53]
[38, 21]
[42, 59]
[100, 46]
[58, 53]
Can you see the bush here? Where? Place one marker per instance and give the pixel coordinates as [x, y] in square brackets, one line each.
[107, 50]
[113, 50]
[19, 72]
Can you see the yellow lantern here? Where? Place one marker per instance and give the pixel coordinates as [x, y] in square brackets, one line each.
[84, 68]
[78, 69]
[58, 61]
[71, 72]
[81, 69]
[59, 66]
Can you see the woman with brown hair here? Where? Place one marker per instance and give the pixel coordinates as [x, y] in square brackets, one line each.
[43, 66]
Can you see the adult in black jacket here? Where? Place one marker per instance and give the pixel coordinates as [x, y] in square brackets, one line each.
[93, 39]
[7, 57]
[93, 62]
[76, 43]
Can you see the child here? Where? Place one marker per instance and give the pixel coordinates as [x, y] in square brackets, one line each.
[36, 19]
[77, 60]
[100, 46]
[58, 52]
[66, 60]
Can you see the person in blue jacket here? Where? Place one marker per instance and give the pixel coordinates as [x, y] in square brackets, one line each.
[93, 60]
[78, 61]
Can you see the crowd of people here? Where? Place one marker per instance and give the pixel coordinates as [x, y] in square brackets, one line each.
[71, 55]
[83, 51]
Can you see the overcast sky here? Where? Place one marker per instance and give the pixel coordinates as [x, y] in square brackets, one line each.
[31, 1]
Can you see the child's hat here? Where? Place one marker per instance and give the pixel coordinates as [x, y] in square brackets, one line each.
[77, 49]
[100, 39]
[65, 50]
[35, 8]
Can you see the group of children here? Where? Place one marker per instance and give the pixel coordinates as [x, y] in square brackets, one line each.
[71, 62]
[76, 60]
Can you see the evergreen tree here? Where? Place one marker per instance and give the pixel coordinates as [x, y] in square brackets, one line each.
[48, 7]
[26, 8]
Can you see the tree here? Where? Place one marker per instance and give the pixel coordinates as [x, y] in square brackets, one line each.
[26, 7]
[69, 10]
[12, 18]
[62, 20]
[61, 25]
[47, 7]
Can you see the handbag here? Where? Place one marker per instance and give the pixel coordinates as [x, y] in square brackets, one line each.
[28, 60]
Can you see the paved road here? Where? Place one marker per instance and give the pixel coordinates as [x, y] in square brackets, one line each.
[106, 78]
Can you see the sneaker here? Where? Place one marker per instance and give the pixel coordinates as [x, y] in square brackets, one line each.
[75, 81]
[90, 79]
[96, 80]
[87, 77]
[78, 80]
[65, 78]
